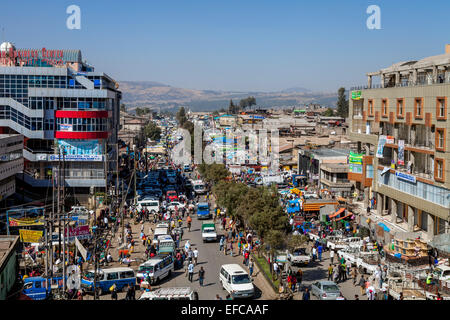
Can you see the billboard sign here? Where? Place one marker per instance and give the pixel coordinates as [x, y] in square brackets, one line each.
[30, 235]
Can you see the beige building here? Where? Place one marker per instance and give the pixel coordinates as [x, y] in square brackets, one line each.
[402, 126]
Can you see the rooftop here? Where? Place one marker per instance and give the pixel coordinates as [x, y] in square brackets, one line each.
[7, 244]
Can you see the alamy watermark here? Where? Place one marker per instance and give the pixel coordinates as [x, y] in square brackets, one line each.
[374, 20]
[74, 20]
[235, 147]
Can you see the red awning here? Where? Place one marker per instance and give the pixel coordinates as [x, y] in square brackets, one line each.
[336, 213]
[347, 216]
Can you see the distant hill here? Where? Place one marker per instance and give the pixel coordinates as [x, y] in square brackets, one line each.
[157, 95]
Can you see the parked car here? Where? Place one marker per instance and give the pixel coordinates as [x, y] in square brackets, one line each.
[325, 290]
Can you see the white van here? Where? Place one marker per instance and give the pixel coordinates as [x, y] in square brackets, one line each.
[185, 293]
[159, 232]
[236, 281]
[152, 205]
[158, 268]
[199, 186]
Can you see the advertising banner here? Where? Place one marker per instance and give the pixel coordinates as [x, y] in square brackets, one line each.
[81, 147]
[82, 249]
[65, 127]
[401, 152]
[85, 157]
[356, 95]
[30, 235]
[380, 148]
[390, 140]
[81, 232]
[355, 158]
[355, 168]
[17, 222]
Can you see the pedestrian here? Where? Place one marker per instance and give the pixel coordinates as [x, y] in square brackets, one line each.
[356, 297]
[222, 239]
[246, 256]
[319, 251]
[250, 267]
[331, 256]
[362, 284]
[299, 278]
[314, 253]
[354, 274]
[306, 294]
[113, 290]
[275, 269]
[191, 271]
[231, 248]
[195, 252]
[201, 276]
[186, 264]
[330, 273]
[218, 297]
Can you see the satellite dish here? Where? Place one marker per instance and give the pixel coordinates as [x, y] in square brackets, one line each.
[73, 277]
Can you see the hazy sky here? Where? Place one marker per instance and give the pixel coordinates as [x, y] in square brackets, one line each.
[234, 45]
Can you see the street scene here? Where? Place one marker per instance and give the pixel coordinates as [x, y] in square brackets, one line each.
[114, 189]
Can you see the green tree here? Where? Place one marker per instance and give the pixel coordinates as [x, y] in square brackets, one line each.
[152, 131]
[232, 108]
[247, 102]
[213, 173]
[123, 107]
[342, 103]
[328, 113]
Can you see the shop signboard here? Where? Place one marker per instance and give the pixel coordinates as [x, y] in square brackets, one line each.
[401, 152]
[356, 95]
[32, 236]
[405, 176]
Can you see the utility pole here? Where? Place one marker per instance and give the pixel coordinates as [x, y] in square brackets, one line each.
[64, 219]
[135, 157]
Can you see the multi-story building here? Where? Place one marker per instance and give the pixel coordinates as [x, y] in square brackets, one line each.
[60, 105]
[402, 126]
[11, 162]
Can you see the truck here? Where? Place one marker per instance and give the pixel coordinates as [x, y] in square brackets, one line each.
[203, 211]
[184, 293]
[209, 231]
[268, 180]
[299, 257]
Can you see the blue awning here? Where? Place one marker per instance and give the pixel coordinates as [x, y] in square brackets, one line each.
[385, 228]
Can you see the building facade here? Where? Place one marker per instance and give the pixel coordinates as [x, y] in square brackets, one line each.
[11, 163]
[65, 110]
[402, 128]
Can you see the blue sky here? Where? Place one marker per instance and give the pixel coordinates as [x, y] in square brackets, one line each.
[235, 45]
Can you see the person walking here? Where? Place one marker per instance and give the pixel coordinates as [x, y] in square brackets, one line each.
[190, 271]
[222, 240]
[362, 285]
[250, 267]
[299, 276]
[319, 251]
[275, 270]
[330, 273]
[306, 294]
[201, 276]
[195, 253]
[331, 256]
[314, 253]
[186, 265]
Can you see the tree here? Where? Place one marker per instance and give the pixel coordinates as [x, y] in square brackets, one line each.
[152, 131]
[232, 108]
[328, 113]
[213, 173]
[123, 107]
[215, 113]
[181, 116]
[342, 103]
[247, 102]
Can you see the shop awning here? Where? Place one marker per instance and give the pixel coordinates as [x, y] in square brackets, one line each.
[336, 213]
[344, 217]
[315, 206]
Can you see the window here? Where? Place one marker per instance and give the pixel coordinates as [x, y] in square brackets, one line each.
[400, 108]
[441, 108]
[126, 274]
[384, 107]
[370, 107]
[439, 169]
[418, 108]
[440, 139]
[112, 276]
